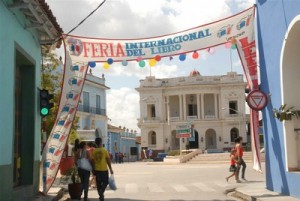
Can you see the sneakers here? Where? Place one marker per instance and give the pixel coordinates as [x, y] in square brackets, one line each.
[238, 181]
[243, 178]
[227, 179]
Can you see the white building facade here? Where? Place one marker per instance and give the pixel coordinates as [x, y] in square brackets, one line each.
[92, 109]
[213, 106]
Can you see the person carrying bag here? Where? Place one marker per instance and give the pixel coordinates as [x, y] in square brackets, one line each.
[83, 162]
[101, 163]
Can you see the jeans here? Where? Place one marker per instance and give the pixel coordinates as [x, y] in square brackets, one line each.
[85, 179]
[243, 164]
[102, 182]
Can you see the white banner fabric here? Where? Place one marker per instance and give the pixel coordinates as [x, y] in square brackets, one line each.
[74, 75]
[220, 32]
[82, 50]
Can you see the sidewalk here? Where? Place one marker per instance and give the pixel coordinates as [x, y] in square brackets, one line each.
[258, 192]
[251, 192]
[54, 194]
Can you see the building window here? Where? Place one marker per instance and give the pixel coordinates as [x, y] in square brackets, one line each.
[233, 107]
[86, 101]
[98, 104]
[152, 138]
[192, 110]
[151, 110]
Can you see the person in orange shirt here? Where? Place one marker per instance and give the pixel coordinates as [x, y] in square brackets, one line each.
[101, 163]
[233, 168]
[240, 152]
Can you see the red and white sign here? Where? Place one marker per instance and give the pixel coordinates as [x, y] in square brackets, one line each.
[257, 100]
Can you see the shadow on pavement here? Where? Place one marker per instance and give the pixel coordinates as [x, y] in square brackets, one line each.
[123, 199]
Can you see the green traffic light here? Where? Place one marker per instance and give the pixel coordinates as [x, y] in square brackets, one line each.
[44, 111]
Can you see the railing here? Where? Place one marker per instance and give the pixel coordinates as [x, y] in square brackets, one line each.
[192, 117]
[209, 117]
[174, 118]
[92, 110]
[151, 119]
[128, 135]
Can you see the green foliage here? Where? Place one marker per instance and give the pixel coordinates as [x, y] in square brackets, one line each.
[284, 113]
[52, 80]
[174, 153]
[71, 175]
[73, 133]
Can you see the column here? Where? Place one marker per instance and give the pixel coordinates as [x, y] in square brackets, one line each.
[184, 106]
[216, 105]
[202, 106]
[168, 109]
[198, 106]
[180, 107]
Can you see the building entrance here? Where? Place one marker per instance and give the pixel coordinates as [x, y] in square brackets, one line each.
[211, 139]
[194, 141]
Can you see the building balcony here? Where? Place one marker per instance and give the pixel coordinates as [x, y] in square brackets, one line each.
[192, 118]
[91, 110]
[174, 119]
[151, 119]
[209, 117]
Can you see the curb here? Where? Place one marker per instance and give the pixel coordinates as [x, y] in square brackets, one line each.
[59, 195]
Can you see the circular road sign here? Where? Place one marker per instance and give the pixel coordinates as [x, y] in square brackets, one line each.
[257, 100]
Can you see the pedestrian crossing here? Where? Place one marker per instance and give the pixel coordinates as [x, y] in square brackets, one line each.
[152, 187]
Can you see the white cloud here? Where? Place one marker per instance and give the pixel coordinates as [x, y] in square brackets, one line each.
[244, 4]
[140, 19]
[122, 107]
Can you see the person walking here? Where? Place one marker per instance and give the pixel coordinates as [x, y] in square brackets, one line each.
[91, 148]
[233, 167]
[101, 164]
[84, 175]
[240, 152]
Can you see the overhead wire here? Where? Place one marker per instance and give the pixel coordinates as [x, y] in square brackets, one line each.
[87, 17]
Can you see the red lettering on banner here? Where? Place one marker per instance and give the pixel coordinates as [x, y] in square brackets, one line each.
[250, 57]
[120, 52]
[85, 49]
[102, 50]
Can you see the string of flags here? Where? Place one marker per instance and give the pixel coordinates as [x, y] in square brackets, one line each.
[152, 62]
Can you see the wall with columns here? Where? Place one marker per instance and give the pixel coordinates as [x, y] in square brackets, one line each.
[210, 95]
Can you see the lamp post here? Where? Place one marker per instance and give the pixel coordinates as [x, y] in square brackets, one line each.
[239, 117]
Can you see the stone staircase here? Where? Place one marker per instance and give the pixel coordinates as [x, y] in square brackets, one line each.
[221, 158]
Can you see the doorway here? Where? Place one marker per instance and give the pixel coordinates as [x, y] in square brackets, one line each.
[211, 139]
[194, 140]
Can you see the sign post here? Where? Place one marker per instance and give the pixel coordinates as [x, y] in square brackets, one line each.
[183, 131]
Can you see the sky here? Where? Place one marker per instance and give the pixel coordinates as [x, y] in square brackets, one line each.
[133, 19]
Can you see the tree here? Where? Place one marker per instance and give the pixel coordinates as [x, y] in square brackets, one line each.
[51, 72]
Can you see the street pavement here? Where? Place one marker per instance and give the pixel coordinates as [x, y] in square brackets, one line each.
[177, 182]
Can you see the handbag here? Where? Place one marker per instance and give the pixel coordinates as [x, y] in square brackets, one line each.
[84, 163]
[112, 182]
[232, 168]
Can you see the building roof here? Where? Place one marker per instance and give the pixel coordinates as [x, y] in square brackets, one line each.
[194, 73]
[40, 18]
[115, 129]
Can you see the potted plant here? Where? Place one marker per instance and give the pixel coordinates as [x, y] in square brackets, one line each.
[74, 187]
[284, 113]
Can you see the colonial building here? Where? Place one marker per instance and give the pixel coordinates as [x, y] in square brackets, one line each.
[92, 109]
[212, 106]
[122, 140]
[279, 69]
[28, 30]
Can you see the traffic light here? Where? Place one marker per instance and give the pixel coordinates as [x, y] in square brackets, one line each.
[45, 104]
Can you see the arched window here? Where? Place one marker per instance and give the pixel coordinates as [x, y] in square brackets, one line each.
[152, 138]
